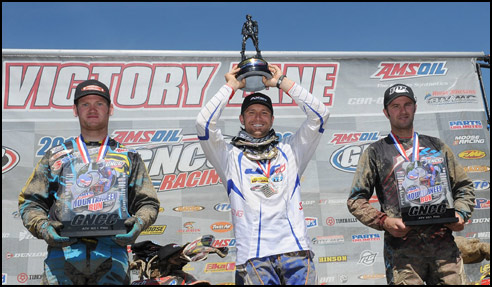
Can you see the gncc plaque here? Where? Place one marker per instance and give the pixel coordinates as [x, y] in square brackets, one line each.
[424, 192]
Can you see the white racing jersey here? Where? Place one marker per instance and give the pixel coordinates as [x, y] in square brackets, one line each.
[264, 195]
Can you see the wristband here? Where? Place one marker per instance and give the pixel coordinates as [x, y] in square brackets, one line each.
[280, 81]
[382, 220]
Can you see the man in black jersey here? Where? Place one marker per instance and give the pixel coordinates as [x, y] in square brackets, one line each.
[418, 253]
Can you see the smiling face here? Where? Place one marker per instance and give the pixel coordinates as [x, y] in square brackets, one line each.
[257, 120]
[400, 112]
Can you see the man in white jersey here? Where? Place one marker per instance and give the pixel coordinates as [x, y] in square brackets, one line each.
[262, 178]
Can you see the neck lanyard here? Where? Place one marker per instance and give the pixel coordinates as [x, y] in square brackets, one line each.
[399, 146]
[267, 174]
[85, 153]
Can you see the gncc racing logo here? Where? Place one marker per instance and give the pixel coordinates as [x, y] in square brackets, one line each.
[346, 158]
[405, 70]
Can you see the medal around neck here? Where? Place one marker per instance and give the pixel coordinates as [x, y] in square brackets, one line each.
[253, 69]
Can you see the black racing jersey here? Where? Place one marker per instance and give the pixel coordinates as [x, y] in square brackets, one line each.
[375, 171]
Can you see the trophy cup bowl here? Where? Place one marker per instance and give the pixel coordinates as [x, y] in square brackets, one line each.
[253, 69]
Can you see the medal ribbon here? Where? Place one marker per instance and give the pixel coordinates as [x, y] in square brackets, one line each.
[399, 146]
[85, 153]
[267, 174]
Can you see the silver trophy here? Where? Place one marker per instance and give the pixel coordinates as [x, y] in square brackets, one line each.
[253, 68]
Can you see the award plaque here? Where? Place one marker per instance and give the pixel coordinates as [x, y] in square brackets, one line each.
[94, 198]
[424, 192]
[253, 68]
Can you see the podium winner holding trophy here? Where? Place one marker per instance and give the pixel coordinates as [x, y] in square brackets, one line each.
[424, 194]
[89, 198]
[253, 68]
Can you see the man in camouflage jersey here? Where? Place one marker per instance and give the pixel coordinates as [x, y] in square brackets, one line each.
[90, 173]
[418, 253]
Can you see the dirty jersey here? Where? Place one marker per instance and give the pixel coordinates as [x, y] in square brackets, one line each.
[265, 196]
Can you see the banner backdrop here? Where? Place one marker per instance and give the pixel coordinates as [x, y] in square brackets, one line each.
[157, 96]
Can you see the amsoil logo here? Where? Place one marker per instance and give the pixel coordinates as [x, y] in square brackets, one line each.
[405, 70]
[348, 138]
[10, 158]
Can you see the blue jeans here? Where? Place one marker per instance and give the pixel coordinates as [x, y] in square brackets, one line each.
[293, 268]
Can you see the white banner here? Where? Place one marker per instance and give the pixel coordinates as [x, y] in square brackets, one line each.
[157, 96]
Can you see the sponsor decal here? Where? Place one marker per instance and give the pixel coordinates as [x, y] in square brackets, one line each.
[331, 239]
[190, 208]
[226, 242]
[222, 207]
[188, 228]
[482, 203]
[140, 137]
[346, 158]
[22, 278]
[372, 276]
[451, 97]
[366, 237]
[405, 70]
[311, 222]
[221, 226]
[220, 267]
[332, 259]
[154, 230]
[26, 255]
[348, 138]
[481, 235]
[481, 220]
[365, 101]
[468, 139]
[10, 158]
[367, 257]
[465, 125]
[330, 221]
[25, 235]
[481, 184]
[325, 280]
[4, 278]
[472, 154]
[476, 168]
